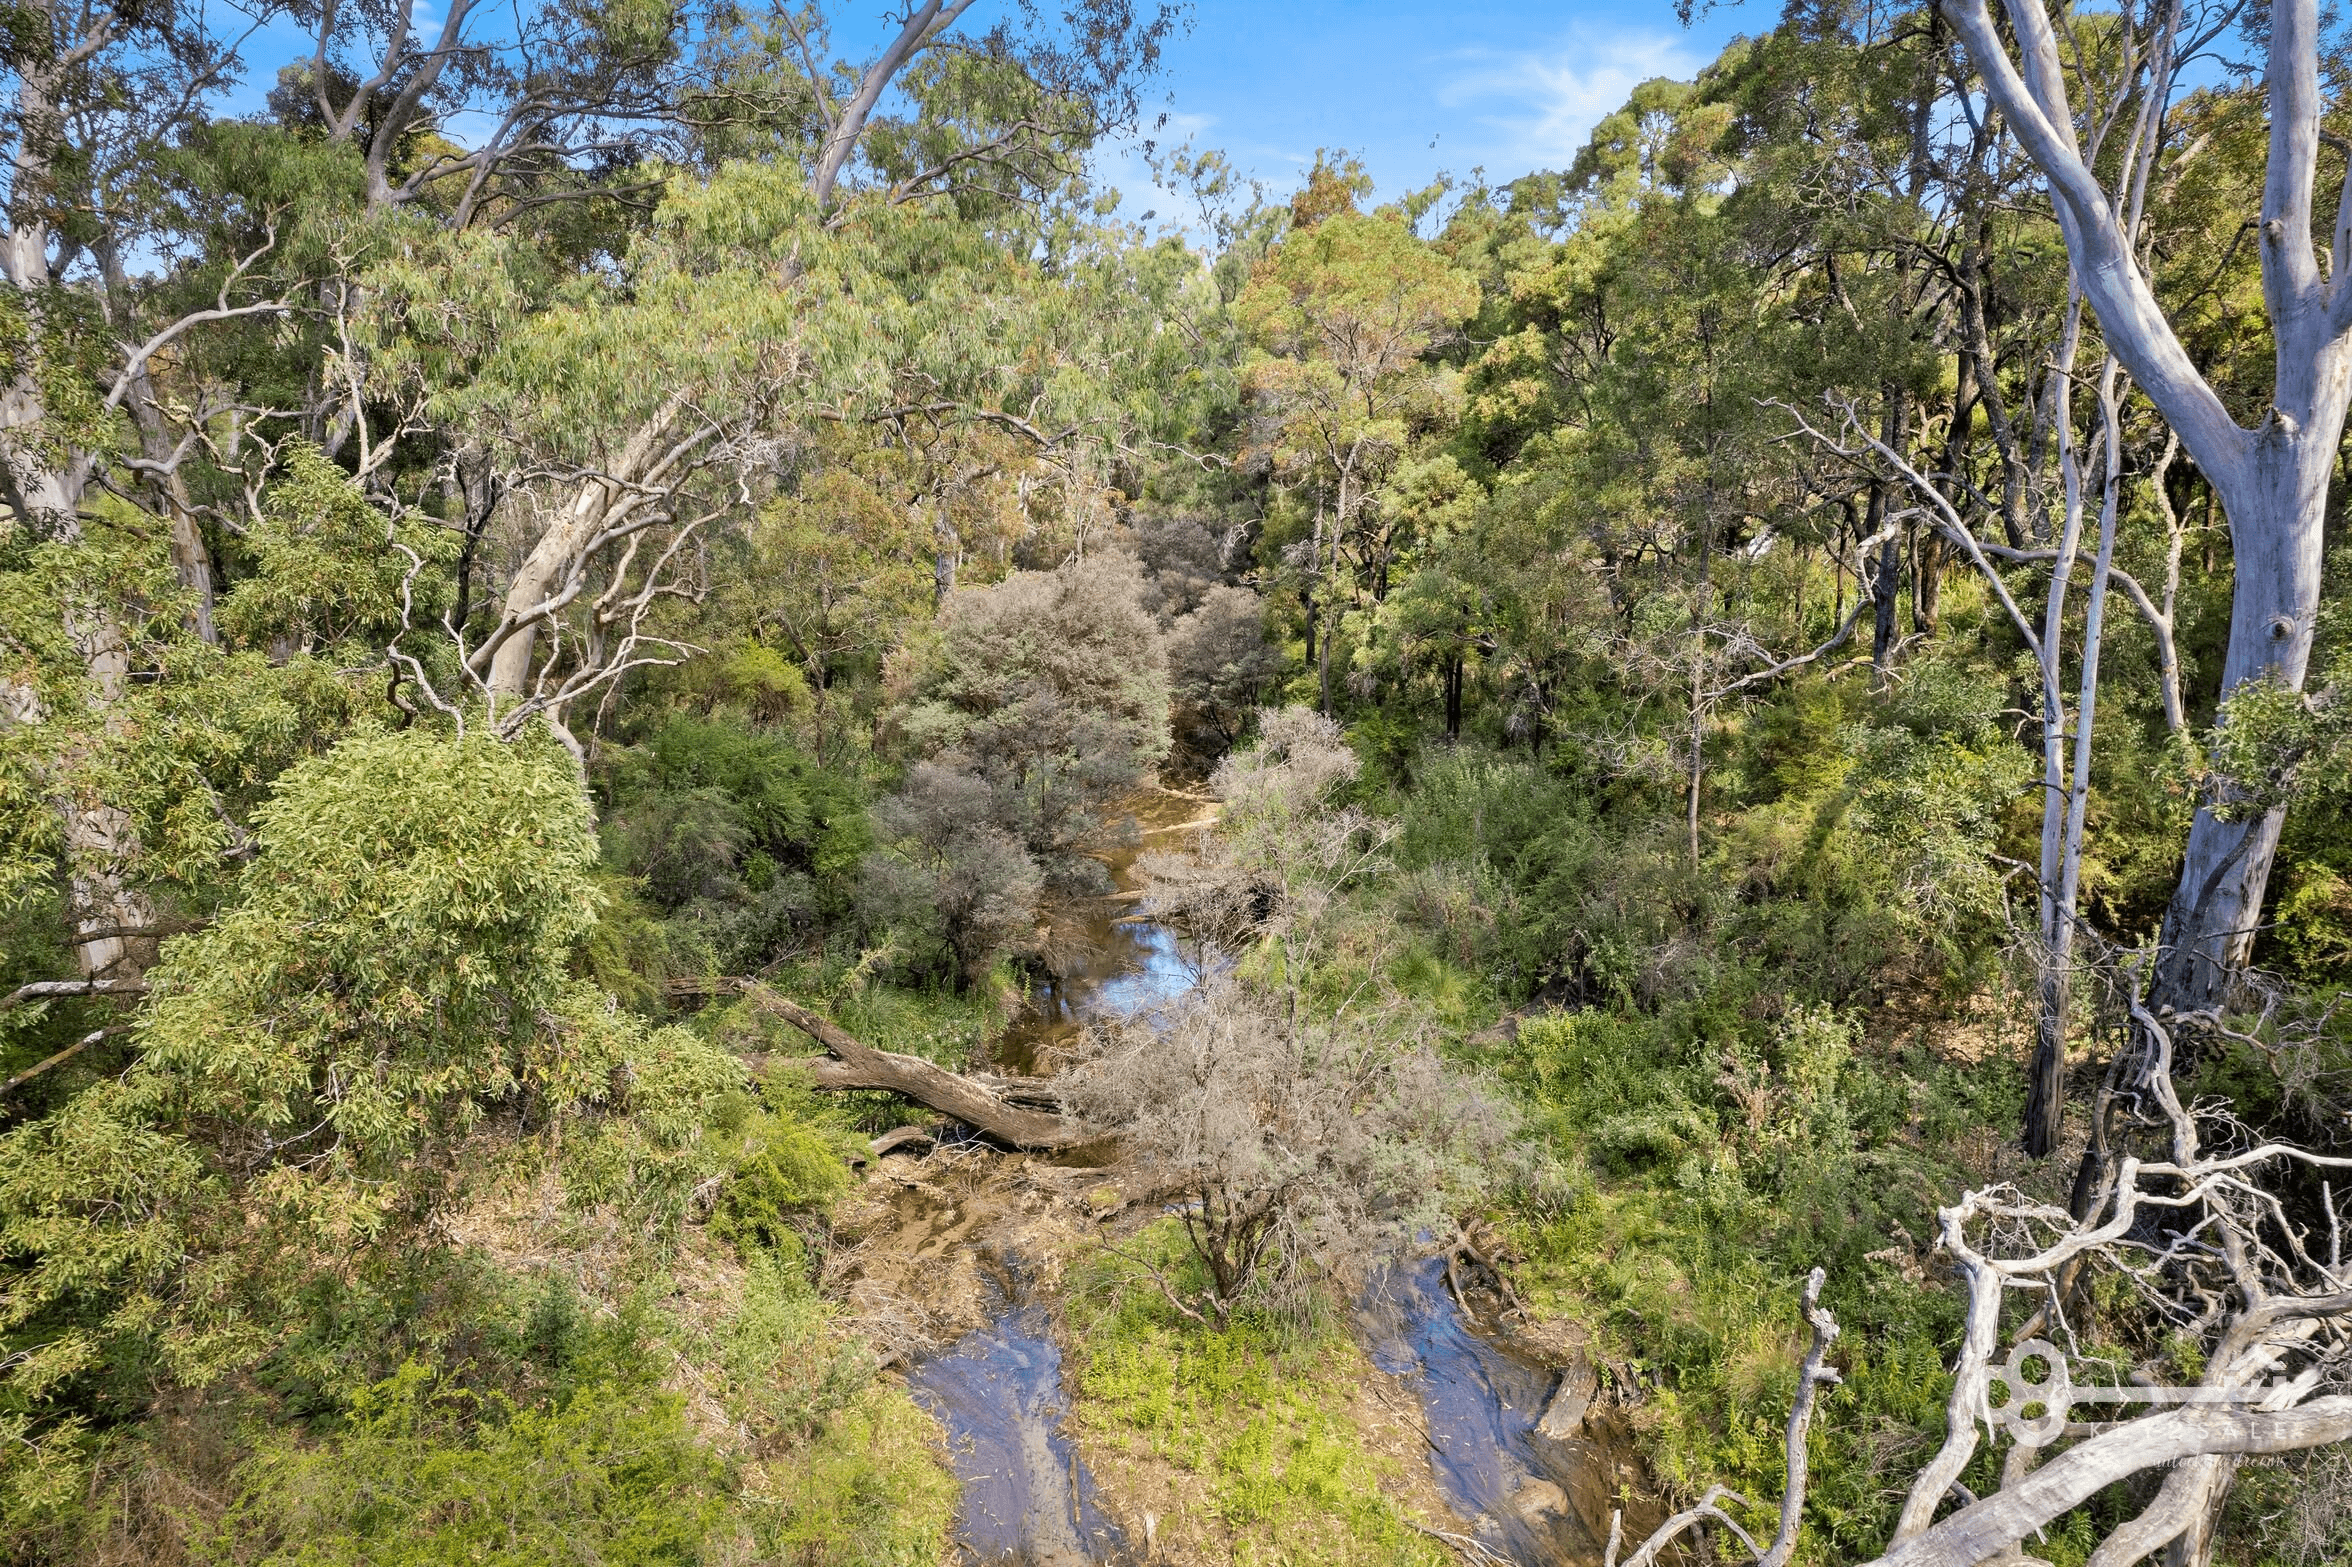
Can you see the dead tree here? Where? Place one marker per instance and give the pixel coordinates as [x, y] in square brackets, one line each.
[2238, 1248]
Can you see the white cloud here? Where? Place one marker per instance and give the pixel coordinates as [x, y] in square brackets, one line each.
[1544, 104]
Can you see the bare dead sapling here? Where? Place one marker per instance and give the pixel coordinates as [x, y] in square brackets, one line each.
[1282, 851]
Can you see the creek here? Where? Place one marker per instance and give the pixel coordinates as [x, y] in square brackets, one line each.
[1026, 1494]
[1532, 1498]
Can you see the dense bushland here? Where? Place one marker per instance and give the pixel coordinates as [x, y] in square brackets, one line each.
[1711, 671]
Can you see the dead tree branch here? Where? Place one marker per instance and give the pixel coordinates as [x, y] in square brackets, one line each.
[2209, 1247]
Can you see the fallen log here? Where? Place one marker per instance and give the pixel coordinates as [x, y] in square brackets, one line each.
[858, 1065]
[899, 1137]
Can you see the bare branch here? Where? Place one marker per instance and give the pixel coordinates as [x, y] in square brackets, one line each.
[69, 989]
[59, 1059]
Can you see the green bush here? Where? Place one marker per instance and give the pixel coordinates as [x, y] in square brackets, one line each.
[787, 1175]
[739, 839]
[424, 1473]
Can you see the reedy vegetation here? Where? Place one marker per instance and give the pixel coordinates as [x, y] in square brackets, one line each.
[757, 512]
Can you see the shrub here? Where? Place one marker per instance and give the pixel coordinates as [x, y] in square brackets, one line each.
[425, 1473]
[785, 1179]
[1306, 1148]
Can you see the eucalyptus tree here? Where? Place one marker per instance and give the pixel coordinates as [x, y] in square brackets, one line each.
[566, 90]
[2271, 476]
[680, 399]
[635, 412]
[2052, 480]
[1066, 366]
[98, 92]
[1346, 311]
[1723, 254]
[832, 571]
[130, 392]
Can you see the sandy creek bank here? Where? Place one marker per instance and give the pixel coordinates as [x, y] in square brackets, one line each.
[955, 1259]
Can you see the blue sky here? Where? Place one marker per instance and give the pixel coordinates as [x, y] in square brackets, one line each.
[1415, 88]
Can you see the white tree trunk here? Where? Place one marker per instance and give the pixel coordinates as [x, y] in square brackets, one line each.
[2271, 480]
[541, 576]
[2275, 516]
[112, 920]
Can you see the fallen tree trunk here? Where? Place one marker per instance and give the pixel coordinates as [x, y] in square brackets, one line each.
[857, 1065]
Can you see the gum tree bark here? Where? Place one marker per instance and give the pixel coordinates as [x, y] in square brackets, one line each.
[606, 509]
[598, 517]
[846, 122]
[2271, 479]
[44, 477]
[2067, 815]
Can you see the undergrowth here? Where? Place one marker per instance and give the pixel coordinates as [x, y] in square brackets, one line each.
[1256, 1420]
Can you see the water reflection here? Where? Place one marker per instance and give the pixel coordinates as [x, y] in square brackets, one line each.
[1026, 1496]
[1120, 962]
[1481, 1404]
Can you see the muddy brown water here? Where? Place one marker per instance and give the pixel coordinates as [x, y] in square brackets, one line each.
[997, 1388]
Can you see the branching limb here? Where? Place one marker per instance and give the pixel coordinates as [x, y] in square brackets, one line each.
[859, 1065]
[59, 1059]
[69, 989]
[1814, 1374]
[1702, 1511]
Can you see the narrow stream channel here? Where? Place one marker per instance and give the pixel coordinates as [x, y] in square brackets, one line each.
[1027, 1497]
[1482, 1404]
[1026, 1494]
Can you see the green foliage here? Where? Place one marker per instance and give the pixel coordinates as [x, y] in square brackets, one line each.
[787, 1175]
[425, 1472]
[404, 929]
[865, 1492]
[785, 806]
[1258, 1415]
[1045, 674]
[645, 1154]
[394, 967]
[330, 572]
[1732, 1157]
[2271, 745]
[52, 342]
[1031, 707]
[1929, 813]
[1511, 463]
[734, 835]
